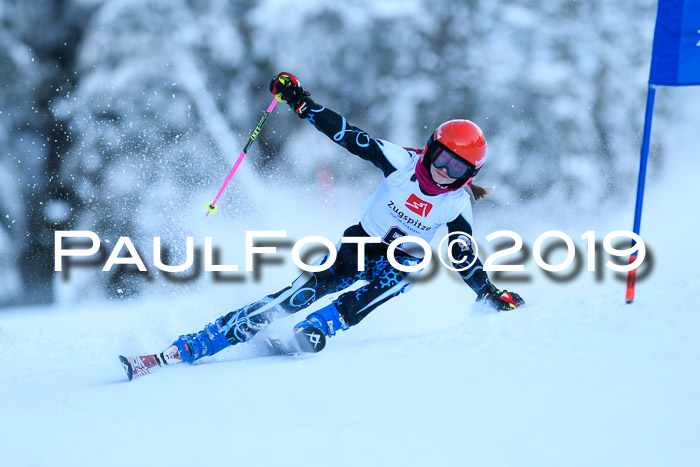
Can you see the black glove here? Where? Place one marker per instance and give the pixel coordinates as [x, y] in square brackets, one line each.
[501, 300]
[288, 89]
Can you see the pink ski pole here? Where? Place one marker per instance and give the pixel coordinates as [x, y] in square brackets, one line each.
[212, 208]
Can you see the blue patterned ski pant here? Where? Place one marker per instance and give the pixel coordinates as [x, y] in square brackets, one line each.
[383, 282]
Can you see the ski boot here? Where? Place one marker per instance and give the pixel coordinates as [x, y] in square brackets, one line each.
[187, 348]
[206, 342]
[311, 333]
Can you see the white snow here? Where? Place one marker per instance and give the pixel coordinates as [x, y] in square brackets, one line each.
[422, 381]
[576, 378]
[57, 211]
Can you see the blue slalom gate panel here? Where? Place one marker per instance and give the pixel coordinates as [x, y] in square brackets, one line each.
[675, 59]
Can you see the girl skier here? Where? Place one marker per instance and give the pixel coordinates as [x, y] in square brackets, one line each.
[422, 190]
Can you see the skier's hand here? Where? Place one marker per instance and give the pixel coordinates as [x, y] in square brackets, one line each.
[501, 300]
[286, 88]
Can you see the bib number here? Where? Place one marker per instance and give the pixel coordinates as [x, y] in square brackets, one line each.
[393, 234]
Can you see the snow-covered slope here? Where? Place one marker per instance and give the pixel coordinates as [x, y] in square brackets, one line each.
[586, 381]
[575, 378]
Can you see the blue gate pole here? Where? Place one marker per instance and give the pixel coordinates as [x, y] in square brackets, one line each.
[632, 275]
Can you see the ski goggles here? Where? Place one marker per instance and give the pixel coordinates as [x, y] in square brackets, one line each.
[456, 167]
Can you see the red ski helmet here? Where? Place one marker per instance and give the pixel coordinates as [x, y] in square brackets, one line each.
[461, 140]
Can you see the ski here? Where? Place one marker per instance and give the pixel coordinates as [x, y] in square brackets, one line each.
[307, 340]
[142, 365]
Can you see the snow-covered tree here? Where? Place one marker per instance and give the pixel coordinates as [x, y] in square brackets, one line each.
[119, 115]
